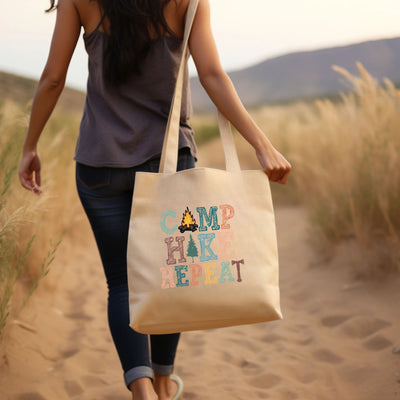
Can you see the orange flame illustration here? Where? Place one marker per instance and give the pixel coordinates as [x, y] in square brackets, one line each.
[188, 222]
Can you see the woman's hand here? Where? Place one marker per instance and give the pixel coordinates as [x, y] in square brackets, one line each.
[51, 84]
[29, 172]
[274, 164]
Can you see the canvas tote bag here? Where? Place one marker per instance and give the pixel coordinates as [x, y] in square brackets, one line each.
[202, 249]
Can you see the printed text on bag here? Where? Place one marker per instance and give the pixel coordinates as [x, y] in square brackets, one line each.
[210, 242]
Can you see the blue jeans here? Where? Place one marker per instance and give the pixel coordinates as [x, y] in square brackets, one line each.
[106, 196]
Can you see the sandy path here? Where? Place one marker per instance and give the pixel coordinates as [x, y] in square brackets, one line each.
[335, 343]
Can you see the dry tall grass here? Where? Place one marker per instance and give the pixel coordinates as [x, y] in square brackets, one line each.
[346, 171]
[27, 243]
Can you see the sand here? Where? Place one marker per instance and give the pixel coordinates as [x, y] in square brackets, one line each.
[339, 338]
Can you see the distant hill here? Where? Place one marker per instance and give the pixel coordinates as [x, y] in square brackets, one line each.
[308, 74]
[21, 90]
[299, 75]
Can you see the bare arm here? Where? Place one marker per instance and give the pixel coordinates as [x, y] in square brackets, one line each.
[51, 84]
[222, 92]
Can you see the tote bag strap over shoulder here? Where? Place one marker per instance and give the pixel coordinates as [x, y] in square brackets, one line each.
[169, 153]
[219, 271]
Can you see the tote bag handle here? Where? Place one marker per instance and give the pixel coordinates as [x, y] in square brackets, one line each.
[169, 155]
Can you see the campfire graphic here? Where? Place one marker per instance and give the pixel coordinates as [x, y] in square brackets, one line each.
[188, 222]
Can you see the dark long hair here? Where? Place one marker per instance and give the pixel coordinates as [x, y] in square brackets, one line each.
[53, 6]
[133, 24]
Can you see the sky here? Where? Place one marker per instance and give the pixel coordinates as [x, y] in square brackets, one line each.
[246, 32]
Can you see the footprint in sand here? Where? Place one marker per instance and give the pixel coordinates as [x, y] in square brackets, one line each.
[73, 388]
[334, 320]
[327, 356]
[363, 326]
[227, 357]
[271, 338]
[305, 341]
[69, 353]
[377, 342]
[249, 368]
[30, 396]
[262, 395]
[265, 381]
[191, 396]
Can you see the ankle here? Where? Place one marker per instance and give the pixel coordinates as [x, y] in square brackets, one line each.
[142, 389]
[163, 386]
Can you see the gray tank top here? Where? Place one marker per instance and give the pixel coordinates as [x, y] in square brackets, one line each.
[124, 126]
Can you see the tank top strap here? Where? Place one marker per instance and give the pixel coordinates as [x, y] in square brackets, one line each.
[101, 21]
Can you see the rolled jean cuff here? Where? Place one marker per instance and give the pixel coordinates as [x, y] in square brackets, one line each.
[162, 369]
[136, 373]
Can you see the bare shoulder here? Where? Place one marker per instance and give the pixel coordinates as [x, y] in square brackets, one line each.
[174, 13]
[181, 5]
[62, 4]
[86, 6]
[89, 12]
[79, 4]
[67, 12]
[176, 8]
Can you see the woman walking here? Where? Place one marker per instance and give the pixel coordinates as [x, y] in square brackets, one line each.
[134, 49]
